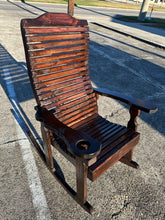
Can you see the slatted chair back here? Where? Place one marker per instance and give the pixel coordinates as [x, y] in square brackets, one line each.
[57, 48]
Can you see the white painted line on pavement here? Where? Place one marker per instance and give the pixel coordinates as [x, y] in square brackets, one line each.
[38, 196]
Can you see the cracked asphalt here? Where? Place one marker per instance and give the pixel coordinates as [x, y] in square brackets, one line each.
[117, 62]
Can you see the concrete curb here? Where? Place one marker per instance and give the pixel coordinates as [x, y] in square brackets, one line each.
[133, 33]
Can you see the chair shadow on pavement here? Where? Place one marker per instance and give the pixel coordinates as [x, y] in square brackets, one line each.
[131, 76]
[15, 82]
[28, 4]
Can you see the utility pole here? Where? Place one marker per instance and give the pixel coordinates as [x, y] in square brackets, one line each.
[143, 10]
[71, 7]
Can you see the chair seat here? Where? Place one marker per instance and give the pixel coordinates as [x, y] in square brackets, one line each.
[116, 141]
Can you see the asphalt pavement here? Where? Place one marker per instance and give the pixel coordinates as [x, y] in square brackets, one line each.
[118, 61]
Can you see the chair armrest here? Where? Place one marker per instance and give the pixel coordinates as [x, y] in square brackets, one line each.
[137, 103]
[79, 143]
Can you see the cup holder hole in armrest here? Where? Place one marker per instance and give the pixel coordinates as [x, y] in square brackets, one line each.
[83, 145]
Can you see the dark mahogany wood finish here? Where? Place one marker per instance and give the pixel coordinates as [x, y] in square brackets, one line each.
[57, 48]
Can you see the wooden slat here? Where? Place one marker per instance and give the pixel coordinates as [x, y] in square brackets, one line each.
[63, 79]
[69, 98]
[68, 87]
[58, 62]
[82, 85]
[74, 94]
[49, 85]
[41, 38]
[58, 57]
[99, 132]
[122, 147]
[81, 110]
[68, 105]
[61, 84]
[77, 114]
[58, 107]
[65, 113]
[46, 73]
[37, 53]
[46, 45]
[49, 30]
[81, 118]
[115, 133]
[52, 89]
[86, 123]
[110, 145]
[96, 126]
[66, 94]
[113, 129]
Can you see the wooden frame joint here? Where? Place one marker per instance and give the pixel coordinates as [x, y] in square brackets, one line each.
[134, 113]
[47, 146]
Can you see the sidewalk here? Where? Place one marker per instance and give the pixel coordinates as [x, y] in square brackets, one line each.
[136, 32]
[152, 35]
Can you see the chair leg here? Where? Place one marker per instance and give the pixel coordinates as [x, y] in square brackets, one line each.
[47, 146]
[81, 172]
[81, 176]
[127, 159]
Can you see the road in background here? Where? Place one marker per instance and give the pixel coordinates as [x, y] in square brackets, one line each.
[117, 62]
[37, 8]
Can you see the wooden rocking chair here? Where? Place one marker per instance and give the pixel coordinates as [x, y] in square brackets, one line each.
[56, 47]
